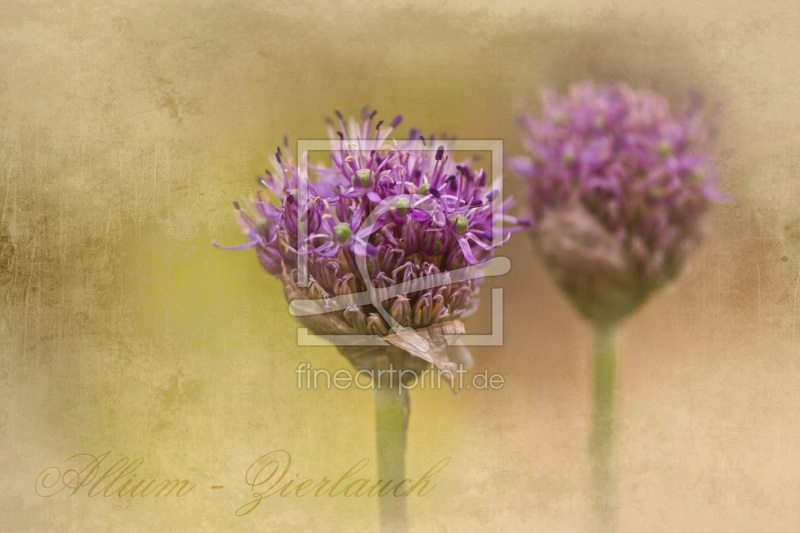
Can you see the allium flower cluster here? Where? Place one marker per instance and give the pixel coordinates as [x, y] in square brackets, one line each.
[385, 237]
[617, 187]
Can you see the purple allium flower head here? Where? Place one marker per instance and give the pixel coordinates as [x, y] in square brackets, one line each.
[385, 241]
[618, 184]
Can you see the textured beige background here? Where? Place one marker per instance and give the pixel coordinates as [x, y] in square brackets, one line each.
[127, 127]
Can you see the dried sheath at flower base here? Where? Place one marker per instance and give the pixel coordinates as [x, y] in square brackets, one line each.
[618, 186]
[377, 237]
[394, 353]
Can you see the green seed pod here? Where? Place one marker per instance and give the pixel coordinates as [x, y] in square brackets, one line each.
[460, 223]
[343, 231]
[362, 176]
[402, 204]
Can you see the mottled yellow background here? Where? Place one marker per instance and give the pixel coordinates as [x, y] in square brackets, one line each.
[126, 128]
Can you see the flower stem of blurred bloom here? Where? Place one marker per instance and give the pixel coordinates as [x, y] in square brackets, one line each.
[618, 188]
[605, 373]
[391, 423]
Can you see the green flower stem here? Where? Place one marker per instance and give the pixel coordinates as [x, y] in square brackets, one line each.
[605, 370]
[391, 423]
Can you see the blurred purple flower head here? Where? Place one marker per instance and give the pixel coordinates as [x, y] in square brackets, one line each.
[617, 188]
[394, 219]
